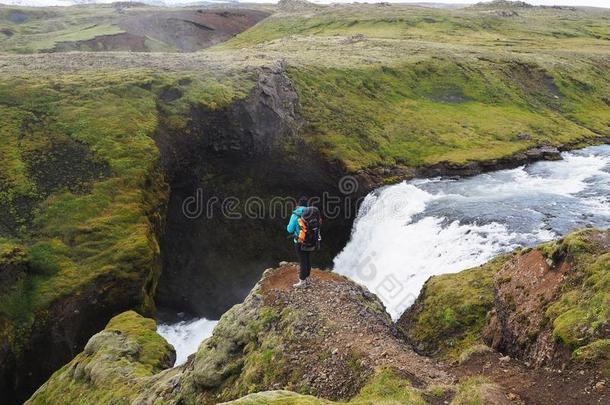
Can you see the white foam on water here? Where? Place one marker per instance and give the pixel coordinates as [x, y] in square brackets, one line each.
[186, 336]
[395, 247]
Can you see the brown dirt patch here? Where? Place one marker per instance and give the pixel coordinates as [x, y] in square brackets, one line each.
[287, 275]
[116, 42]
[191, 30]
[523, 289]
[543, 386]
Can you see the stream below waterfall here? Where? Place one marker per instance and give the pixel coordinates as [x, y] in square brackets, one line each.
[410, 231]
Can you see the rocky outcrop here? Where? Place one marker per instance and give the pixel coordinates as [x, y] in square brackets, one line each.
[522, 290]
[278, 338]
[113, 367]
[255, 127]
[292, 339]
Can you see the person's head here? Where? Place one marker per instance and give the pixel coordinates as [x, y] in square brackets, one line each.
[303, 201]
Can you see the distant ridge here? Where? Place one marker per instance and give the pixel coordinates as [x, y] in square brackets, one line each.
[503, 4]
[295, 5]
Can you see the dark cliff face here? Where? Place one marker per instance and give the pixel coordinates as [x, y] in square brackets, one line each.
[233, 175]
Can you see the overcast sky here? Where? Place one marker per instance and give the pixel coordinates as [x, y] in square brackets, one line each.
[595, 3]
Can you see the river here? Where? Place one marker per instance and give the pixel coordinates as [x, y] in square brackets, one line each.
[410, 231]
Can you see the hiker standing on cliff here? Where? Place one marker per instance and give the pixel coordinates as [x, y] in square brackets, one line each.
[304, 225]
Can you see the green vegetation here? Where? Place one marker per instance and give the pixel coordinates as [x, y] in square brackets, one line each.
[477, 26]
[384, 388]
[596, 352]
[40, 29]
[81, 187]
[448, 318]
[477, 391]
[82, 192]
[581, 314]
[439, 110]
[414, 86]
[120, 27]
[114, 366]
[259, 364]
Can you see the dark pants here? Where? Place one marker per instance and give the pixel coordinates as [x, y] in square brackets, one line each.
[304, 262]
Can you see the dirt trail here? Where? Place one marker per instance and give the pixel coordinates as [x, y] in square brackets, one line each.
[366, 337]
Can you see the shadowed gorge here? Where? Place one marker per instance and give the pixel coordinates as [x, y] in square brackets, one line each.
[248, 150]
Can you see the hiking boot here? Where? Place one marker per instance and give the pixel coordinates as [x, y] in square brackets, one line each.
[300, 284]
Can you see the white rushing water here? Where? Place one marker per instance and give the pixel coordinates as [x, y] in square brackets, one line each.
[186, 336]
[407, 232]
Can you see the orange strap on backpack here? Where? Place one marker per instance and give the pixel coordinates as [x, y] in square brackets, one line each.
[302, 230]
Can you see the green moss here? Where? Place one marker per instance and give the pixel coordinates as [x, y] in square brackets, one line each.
[96, 216]
[43, 28]
[12, 253]
[114, 366]
[154, 349]
[464, 27]
[583, 306]
[74, 33]
[596, 352]
[439, 391]
[385, 388]
[452, 311]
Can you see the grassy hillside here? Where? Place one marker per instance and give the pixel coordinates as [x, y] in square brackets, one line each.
[407, 85]
[498, 26]
[82, 192]
[36, 29]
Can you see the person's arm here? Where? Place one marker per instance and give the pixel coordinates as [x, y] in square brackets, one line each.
[292, 224]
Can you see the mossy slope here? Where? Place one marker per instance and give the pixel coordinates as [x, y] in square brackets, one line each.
[384, 388]
[453, 311]
[580, 316]
[83, 197]
[444, 109]
[248, 358]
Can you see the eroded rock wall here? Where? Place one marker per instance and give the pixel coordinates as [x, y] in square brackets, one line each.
[251, 150]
